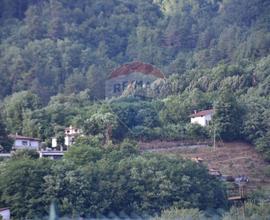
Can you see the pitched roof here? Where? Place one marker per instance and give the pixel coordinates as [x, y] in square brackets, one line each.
[203, 113]
[3, 209]
[19, 137]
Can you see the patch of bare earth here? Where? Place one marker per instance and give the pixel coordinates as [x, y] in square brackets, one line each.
[233, 159]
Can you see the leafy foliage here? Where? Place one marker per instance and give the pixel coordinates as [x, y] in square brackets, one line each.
[5, 143]
[251, 211]
[59, 54]
[56, 46]
[22, 187]
[93, 181]
[227, 118]
[185, 214]
[119, 180]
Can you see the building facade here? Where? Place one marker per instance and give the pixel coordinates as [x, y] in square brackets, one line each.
[23, 142]
[5, 213]
[202, 118]
[70, 134]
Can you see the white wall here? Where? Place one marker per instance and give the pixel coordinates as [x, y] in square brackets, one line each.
[54, 142]
[26, 144]
[208, 118]
[69, 140]
[5, 214]
[202, 120]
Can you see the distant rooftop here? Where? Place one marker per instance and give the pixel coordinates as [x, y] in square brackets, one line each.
[20, 137]
[203, 113]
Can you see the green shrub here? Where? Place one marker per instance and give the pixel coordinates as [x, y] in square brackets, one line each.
[183, 214]
[263, 146]
[25, 153]
[173, 132]
[266, 171]
[250, 211]
[196, 131]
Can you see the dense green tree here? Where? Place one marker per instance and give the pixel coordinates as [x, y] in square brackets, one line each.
[5, 142]
[23, 179]
[195, 131]
[16, 106]
[262, 145]
[25, 154]
[60, 53]
[45, 44]
[227, 117]
[118, 179]
[91, 148]
[177, 109]
[256, 119]
[100, 123]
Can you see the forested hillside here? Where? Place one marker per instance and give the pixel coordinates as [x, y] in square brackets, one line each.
[55, 56]
[51, 47]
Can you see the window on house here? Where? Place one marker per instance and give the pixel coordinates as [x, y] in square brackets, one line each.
[24, 143]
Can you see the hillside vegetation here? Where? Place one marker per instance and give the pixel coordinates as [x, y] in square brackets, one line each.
[55, 56]
[51, 47]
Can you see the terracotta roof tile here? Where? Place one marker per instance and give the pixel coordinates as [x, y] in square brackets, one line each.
[203, 113]
[20, 137]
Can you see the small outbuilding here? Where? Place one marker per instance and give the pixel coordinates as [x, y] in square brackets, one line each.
[5, 213]
[202, 118]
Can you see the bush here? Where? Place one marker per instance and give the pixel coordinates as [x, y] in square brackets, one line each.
[25, 154]
[250, 211]
[266, 171]
[263, 146]
[172, 132]
[196, 131]
[183, 214]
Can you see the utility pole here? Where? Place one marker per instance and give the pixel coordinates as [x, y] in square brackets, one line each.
[214, 129]
[214, 137]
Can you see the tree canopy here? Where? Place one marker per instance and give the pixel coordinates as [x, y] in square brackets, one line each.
[55, 57]
[92, 181]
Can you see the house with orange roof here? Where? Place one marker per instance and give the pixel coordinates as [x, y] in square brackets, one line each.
[202, 118]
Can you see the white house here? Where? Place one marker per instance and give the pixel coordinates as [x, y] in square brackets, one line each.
[70, 134]
[5, 213]
[202, 117]
[22, 142]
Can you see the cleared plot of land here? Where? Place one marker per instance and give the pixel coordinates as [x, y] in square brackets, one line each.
[232, 159]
